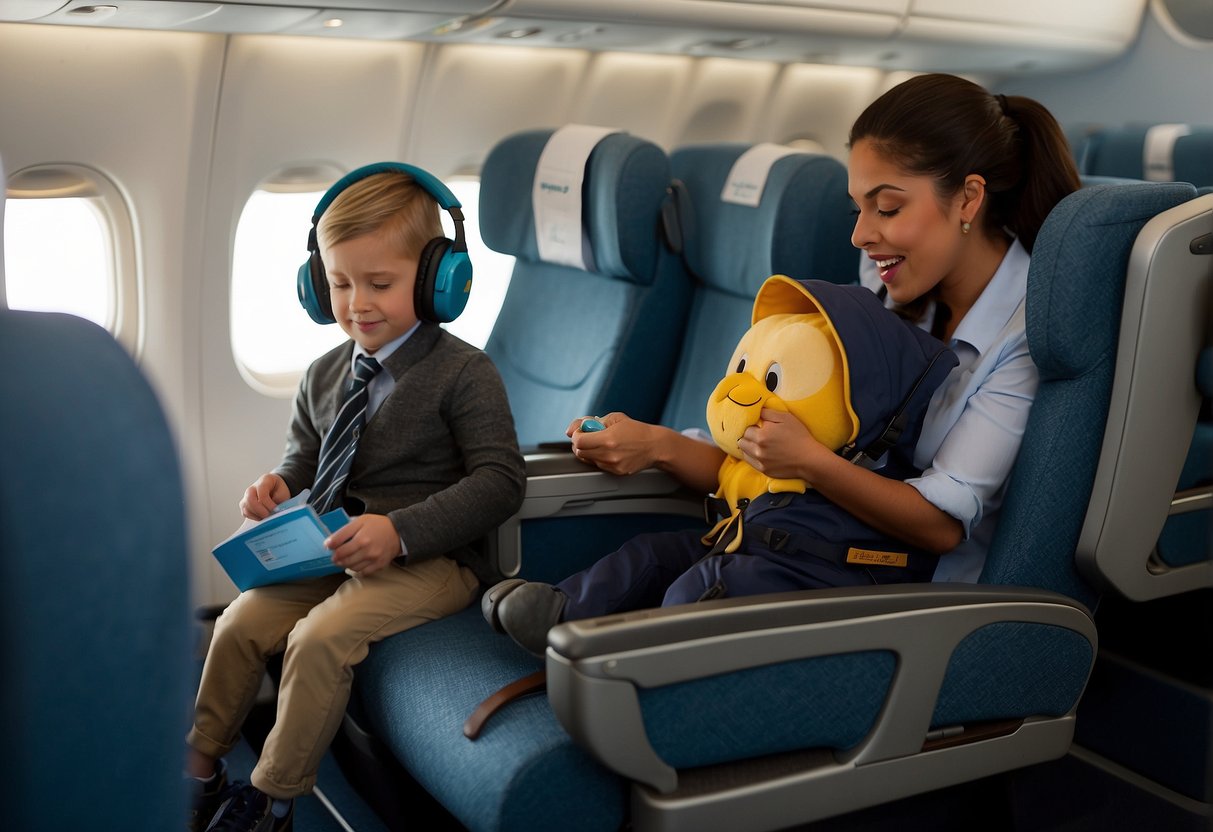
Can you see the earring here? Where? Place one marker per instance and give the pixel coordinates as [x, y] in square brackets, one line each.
[964, 228]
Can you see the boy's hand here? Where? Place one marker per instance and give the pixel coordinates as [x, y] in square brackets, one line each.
[261, 497]
[364, 545]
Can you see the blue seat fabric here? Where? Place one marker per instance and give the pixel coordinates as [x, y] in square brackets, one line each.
[801, 228]
[94, 574]
[570, 342]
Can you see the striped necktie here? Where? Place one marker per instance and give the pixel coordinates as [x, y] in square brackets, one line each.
[341, 442]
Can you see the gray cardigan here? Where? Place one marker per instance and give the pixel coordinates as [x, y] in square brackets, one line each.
[439, 457]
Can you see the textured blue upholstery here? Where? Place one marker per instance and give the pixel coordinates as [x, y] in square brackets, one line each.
[570, 342]
[801, 228]
[1073, 320]
[828, 702]
[523, 773]
[93, 569]
[1012, 669]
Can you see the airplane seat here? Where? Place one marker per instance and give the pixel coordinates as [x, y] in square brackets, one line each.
[97, 654]
[1183, 153]
[799, 224]
[762, 713]
[594, 309]
[415, 690]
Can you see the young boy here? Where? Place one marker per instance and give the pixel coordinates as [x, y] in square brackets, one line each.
[435, 466]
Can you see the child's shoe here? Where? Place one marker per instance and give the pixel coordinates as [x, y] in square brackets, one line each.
[248, 809]
[205, 797]
[528, 611]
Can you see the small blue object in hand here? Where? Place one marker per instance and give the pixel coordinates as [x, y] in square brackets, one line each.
[591, 425]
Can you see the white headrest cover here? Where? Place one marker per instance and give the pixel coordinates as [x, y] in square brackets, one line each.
[556, 195]
[1158, 150]
[748, 177]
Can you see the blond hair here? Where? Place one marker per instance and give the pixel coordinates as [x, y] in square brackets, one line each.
[391, 200]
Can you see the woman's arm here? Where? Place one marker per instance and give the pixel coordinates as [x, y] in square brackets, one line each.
[626, 446]
[781, 446]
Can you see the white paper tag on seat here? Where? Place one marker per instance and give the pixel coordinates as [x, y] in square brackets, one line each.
[556, 194]
[1158, 150]
[748, 177]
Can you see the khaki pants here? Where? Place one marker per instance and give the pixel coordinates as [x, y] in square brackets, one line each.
[325, 625]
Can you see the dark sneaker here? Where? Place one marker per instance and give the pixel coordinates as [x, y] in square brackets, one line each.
[528, 611]
[206, 797]
[247, 809]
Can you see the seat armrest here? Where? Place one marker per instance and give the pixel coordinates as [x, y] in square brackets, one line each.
[560, 485]
[595, 666]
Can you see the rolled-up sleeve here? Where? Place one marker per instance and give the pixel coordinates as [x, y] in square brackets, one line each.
[966, 476]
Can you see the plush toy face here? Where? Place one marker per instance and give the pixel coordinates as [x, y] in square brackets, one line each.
[786, 362]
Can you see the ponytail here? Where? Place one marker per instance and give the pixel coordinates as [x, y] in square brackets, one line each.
[1048, 165]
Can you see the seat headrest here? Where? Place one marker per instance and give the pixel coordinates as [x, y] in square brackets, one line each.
[1157, 153]
[624, 185]
[801, 227]
[1073, 303]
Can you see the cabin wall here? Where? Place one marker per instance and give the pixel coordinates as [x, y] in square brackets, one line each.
[1160, 79]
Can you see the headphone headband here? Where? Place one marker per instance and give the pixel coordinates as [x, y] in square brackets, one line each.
[428, 181]
[444, 273]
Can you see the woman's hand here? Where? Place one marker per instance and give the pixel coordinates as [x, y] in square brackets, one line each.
[623, 446]
[781, 447]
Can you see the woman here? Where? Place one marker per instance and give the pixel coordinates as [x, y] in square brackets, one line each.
[951, 185]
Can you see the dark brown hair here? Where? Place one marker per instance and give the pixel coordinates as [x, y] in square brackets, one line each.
[946, 127]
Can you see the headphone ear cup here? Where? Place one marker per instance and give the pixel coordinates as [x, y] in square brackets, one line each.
[427, 278]
[312, 286]
[444, 280]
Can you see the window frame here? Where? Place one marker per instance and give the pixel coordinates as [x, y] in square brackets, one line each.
[125, 318]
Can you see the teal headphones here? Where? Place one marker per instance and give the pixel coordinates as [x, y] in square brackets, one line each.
[444, 272]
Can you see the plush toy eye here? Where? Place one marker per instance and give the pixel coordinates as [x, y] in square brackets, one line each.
[741, 364]
[774, 376]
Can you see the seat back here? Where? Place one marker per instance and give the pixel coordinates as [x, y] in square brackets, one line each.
[1073, 320]
[93, 569]
[571, 341]
[1165, 335]
[801, 227]
[1183, 153]
[1155, 153]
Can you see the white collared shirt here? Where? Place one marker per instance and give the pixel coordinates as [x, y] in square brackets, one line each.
[384, 383]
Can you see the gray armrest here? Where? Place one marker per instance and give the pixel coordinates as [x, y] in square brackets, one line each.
[1165, 324]
[559, 484]
[595, 666]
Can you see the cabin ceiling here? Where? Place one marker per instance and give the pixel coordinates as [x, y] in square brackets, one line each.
[1021, 37]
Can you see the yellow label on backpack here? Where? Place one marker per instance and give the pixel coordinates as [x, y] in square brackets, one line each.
[874, 557]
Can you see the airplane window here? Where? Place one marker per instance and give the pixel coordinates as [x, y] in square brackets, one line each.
[491, 271]
[68, 247]
[273, 339]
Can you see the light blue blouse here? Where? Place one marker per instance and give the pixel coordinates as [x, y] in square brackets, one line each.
[974, 424]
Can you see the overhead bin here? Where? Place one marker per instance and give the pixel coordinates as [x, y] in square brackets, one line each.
[944, 35]
[380, 19]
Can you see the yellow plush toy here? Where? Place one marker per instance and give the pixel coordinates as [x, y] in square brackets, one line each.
[791, 360]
